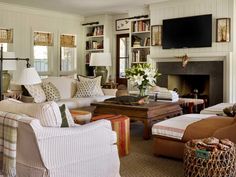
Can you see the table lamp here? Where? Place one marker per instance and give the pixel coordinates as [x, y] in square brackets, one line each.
[100, 61]
[6, 66]
[29, 76]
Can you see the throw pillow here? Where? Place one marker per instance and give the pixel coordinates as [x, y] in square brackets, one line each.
[97, 90]
[85, 88]
[36, 92]
[51, 92]
[230, 111]
[63, 116]
[48, 113]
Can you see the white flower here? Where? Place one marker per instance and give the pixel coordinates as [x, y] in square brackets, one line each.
[138, 79]
[151, 80]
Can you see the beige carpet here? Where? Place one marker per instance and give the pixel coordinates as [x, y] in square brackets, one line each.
[142, 163]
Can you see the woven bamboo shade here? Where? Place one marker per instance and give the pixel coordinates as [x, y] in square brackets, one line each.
[43, 38]
[6, 35]
[67, 41]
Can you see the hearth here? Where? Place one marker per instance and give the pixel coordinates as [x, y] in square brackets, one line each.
[201, 79]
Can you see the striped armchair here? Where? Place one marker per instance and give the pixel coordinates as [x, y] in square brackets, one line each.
[84, 151]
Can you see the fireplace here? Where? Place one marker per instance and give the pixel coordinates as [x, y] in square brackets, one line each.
[203, 79]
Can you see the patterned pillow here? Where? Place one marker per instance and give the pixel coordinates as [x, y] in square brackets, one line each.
[36, 92]
[51, 92]
[97, 89]
[85, 88]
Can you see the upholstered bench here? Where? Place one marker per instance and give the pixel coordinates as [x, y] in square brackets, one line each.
[121, 125]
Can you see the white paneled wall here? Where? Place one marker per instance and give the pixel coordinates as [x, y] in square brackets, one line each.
[175, 9]
[24, 20]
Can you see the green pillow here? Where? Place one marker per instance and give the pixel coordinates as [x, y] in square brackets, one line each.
[63, 116]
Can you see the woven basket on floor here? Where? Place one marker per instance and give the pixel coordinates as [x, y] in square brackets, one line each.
[199, 163]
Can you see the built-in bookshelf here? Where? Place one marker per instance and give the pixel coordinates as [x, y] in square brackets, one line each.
[140, 40]
[94, 43]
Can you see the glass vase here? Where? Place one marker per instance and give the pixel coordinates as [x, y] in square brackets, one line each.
[142, 91]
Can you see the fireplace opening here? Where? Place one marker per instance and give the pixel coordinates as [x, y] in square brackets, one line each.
[204, 76]
[190, 86]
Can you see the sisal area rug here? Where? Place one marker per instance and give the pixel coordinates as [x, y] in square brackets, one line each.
[142, 163]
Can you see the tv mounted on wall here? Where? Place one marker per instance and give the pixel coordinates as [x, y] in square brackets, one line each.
[187, 32]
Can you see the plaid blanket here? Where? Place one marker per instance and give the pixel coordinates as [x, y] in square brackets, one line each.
[8, 141]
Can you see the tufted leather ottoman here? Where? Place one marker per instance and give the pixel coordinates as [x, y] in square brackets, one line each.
[121, 125]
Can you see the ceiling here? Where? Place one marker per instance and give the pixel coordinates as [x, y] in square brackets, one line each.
[85, 7]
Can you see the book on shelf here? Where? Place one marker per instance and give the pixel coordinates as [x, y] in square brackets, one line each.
[146, 41]
[143, 25]
[98, 30]
[94, 45]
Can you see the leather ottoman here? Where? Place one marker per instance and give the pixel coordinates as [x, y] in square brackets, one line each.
[121, 125]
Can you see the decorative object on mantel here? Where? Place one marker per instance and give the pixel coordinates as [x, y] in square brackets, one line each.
[223, 30]
[142, 76]
[185, 59]
[156, 34]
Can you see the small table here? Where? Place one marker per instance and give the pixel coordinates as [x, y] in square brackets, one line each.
[147, 113]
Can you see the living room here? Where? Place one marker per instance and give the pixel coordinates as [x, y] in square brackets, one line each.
[59, 38]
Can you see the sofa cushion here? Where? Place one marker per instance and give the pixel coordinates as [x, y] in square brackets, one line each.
[51, 92]
[97, 90]
[48, 113]
[85, 88]
[66, 86]
[216, 109]
[175, 127]
[74, 103]
[36, 91]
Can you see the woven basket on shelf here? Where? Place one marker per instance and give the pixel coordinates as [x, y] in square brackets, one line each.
[201, 163]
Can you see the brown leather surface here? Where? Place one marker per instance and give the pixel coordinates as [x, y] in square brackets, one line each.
[207, 127]
[168, 148]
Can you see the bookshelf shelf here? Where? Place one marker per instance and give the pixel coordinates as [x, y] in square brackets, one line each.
[94, 43]
[140, 40]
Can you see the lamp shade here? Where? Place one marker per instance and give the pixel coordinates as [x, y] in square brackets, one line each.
[9, 64]
[29, 76]
[100, 59]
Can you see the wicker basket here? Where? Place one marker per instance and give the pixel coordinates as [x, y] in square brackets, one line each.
[200, 163]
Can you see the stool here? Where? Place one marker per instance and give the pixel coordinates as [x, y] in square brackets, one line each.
[191, 103]
[121, 125]
[81, 117]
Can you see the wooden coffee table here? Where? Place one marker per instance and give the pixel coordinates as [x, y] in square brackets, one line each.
[147, 113]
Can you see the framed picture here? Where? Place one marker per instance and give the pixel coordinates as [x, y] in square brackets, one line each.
[122, 24]
[156, 34]
[223, 30]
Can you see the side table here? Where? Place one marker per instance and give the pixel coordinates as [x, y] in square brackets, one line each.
[81, 117]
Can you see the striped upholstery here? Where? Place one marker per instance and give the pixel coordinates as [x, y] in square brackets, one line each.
[48, 113]
[8, 141]
[121, 125]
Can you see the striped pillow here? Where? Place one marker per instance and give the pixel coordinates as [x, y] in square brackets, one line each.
[48, 113]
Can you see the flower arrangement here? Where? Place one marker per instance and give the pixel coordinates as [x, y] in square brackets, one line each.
[142, 76]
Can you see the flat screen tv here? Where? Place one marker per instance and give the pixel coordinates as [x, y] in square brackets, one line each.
[187, 32]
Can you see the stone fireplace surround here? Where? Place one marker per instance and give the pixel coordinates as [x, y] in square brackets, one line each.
[213, 69]
[224, 57]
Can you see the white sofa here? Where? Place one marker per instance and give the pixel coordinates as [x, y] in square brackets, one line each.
[68, 87]
[80, 151]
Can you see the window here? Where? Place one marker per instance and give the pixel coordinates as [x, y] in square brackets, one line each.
[41, 58]
[4, 45]
[124, 55]
[68, 53]
[42, 43]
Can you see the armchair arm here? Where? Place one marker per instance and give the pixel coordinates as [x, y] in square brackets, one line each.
[62, 146]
